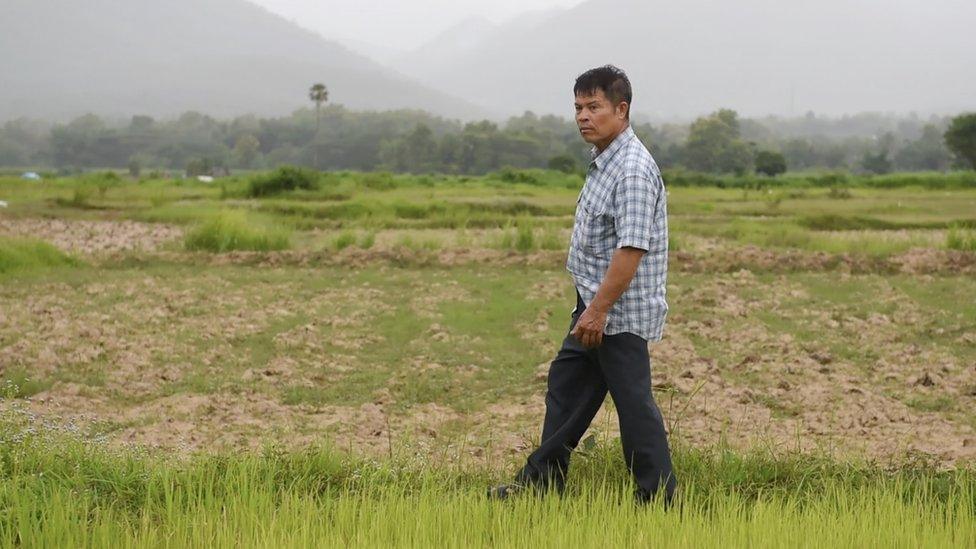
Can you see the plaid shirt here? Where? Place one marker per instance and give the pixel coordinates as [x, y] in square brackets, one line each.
[623, 203]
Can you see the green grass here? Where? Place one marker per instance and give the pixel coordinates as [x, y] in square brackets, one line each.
[59, 489]
[233, 230]
[371, 331]
[27, 255]
[959, 238]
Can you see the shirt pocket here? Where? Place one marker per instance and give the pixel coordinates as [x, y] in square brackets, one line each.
[594, 227]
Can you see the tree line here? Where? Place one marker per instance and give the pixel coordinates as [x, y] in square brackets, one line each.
[335, 138]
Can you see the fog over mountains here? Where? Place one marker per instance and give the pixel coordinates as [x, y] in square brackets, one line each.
[757, 56]
[61, 58]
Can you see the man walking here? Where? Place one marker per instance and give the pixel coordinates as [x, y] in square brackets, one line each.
[618, 260]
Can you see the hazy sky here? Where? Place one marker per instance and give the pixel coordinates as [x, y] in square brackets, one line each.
[397, 24]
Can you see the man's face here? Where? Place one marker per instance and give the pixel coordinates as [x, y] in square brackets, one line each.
[599, 120]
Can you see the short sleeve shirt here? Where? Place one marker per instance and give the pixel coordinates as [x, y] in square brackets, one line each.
[623, 204]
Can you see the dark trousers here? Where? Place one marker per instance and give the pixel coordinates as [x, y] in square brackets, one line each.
[579, 379]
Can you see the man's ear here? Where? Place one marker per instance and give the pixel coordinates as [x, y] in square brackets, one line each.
[622, 110]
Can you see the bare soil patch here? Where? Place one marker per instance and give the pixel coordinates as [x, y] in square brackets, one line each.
[93, 237]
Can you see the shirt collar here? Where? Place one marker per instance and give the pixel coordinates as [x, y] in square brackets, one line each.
[601, 158]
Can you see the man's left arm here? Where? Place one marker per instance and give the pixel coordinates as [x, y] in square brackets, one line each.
[633, 213]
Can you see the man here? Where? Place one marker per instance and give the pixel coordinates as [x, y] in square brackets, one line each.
[618, 261]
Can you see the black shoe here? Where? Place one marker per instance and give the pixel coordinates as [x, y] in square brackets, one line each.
[505, 491]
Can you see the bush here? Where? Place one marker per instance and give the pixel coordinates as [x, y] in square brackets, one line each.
[770, 163]
[230, 230]
[25, 254]
[284, 179]
[344, 240]
[377, 181]
[525, 237]
[512, 175]
[367, 241]
[839, 193]
[959, 238]
[563, 163]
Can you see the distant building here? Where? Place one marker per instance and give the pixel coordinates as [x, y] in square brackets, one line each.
[32, 176]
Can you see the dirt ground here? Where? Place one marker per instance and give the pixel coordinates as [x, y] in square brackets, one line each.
[118, 357]
[93, 237]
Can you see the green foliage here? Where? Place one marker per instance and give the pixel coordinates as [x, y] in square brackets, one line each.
[367, 241]
[28, 254]
[199, 166]
[959, 238]
[714, 145]
[961, 138]
[839, 193]
[512, 175]
[876, 162]
[770, 163]
[525, 236]
[563, 163]
[247, 148]
[412, 141]
[958, 180]
[60, 489]
[232, 230]
[284, 179]
[344, 240]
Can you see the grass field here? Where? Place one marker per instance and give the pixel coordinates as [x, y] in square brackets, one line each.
[356, 362]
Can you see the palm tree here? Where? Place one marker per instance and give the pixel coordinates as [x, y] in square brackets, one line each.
[319, 94]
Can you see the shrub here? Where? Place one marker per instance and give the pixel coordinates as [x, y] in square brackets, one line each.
[230, 230]
[24, 254]
[770, 163]
[512, 175]
[80, 197]
[344, 240]
[377, 181]
[524, 237]
[367, 241]
[959, 238]
[284, 179]
[563, 163]
[839, 193]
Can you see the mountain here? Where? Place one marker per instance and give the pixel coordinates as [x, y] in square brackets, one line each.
[757, 56]
[61, 58]
[450, 47]
[446, 47]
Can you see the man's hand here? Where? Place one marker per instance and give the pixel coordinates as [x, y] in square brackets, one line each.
[623, 265]
[589, 327]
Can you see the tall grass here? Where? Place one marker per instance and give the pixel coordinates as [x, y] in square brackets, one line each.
[284, 179]
[233, 230]
[59, 490]
[959, 238]
[28, 254]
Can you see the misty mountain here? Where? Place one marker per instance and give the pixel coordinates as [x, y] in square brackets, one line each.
[461, 39]
[61, 58]
[758, 56]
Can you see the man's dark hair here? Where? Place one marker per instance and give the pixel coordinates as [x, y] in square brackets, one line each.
[612, 81]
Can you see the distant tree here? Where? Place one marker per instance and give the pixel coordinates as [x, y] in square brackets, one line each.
[714, 144]
[876, 162]
[563, 163]
[135, 166]
[961, 137]
[415, 152]
[770, 163]
[247, 149]
[84, 142]
[199, 166]
[928, 152]
[318, 94]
